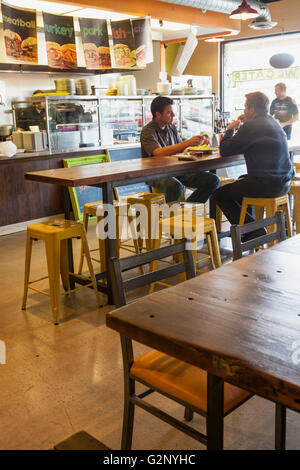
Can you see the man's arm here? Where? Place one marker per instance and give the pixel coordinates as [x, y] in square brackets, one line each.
[180, 147]
[234, 144]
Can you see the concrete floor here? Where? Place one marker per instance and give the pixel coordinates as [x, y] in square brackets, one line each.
[58, 380]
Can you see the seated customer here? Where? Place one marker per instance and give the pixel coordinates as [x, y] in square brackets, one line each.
[159, 138]
[264, 145]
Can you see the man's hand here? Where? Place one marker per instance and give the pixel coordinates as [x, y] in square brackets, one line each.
[196, 140]
[235, 124]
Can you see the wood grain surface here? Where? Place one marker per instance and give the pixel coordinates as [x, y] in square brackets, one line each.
[90, 175]
[240, 322]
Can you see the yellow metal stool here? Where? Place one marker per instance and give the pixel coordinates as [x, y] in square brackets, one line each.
[269, 205]
[190, 225]
[219, 215]
[147, 200]
[56, 234]
[295, 191]
[121, 209]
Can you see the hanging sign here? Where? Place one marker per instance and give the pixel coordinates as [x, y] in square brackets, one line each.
[20, 33]
[124, 48]
[60, 41]
[143, 41]
[95, 42]
[187, 52]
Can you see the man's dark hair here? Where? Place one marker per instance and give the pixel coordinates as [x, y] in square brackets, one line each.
[159, 103]
[259, 101]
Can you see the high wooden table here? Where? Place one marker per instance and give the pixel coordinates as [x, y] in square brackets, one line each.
[110, 175]
[241, 323]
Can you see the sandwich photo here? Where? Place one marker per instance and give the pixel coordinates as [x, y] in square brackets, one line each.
[141, 55]
[104, 57]
[29, 49]
[54, 54]
[12, 43]
[69, 56]
[91, 55]
[124, 57]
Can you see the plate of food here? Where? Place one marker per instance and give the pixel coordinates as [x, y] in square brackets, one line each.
[201, 149]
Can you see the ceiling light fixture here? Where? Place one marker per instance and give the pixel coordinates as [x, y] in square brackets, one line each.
[244, 12]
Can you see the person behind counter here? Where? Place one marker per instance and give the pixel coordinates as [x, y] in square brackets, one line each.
[159, 138]
[269, 168]
[34, 115]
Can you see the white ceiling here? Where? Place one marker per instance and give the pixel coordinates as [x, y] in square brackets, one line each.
[169, 30]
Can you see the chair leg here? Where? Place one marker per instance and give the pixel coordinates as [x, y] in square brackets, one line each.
[210, 250]
[216, 248]
[280, 427]
[64, 264]
[243, 214]
[90, 266]
[286, 210]
[85, 224]
[27, 269]
[128, 417]
[53, 262]
[296, 209]
[188, 413]
[218, 219]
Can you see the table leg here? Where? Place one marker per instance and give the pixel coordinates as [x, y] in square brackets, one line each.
[67, 208]
[215, 412]
[110, 243]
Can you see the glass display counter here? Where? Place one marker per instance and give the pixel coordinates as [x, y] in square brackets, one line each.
[78, 122]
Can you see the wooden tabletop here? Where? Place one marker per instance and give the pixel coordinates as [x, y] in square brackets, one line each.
[89, 175]
[240, 322]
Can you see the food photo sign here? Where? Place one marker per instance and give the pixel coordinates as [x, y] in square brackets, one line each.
[60, 41]
[95, 42]
[20, 33]
[124, 45]
[143, 41]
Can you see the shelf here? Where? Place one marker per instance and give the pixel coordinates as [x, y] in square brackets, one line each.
[25, 68]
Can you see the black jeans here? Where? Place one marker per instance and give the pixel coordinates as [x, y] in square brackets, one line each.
[230, 197]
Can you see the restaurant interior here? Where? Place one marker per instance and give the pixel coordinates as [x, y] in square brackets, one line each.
[61, 361]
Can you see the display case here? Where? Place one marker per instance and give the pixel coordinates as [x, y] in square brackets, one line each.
[78, 122]
[124, 116]
[72, 122]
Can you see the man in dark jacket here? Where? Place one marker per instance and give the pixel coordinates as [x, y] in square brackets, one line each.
[264, 145]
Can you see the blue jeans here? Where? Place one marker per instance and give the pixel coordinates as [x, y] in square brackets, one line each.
[204, 182]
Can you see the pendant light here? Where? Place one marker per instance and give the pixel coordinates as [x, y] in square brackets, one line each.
[244, 12]
[282, 60]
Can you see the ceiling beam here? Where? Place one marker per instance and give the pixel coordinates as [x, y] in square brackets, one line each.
[159, 10]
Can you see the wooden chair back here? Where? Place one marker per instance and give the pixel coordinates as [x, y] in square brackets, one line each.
[237, 231]
[118, 266]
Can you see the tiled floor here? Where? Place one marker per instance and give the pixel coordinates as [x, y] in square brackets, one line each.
[58, 380]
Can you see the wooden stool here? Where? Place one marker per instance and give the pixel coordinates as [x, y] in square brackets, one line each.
[271, 205]
[295, 191]
[180, 227]
[121, 209]
[219, 215]
[158, 191]
[56, 234]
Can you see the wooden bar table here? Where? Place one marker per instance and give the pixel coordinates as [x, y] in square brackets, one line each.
[241, 323]
[121, 173]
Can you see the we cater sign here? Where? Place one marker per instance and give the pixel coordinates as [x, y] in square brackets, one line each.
[264, 74]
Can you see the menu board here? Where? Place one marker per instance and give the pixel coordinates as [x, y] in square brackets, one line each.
[20, 33]
[95, 42]
[124, 46]
[143, 41]
[60, 41]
